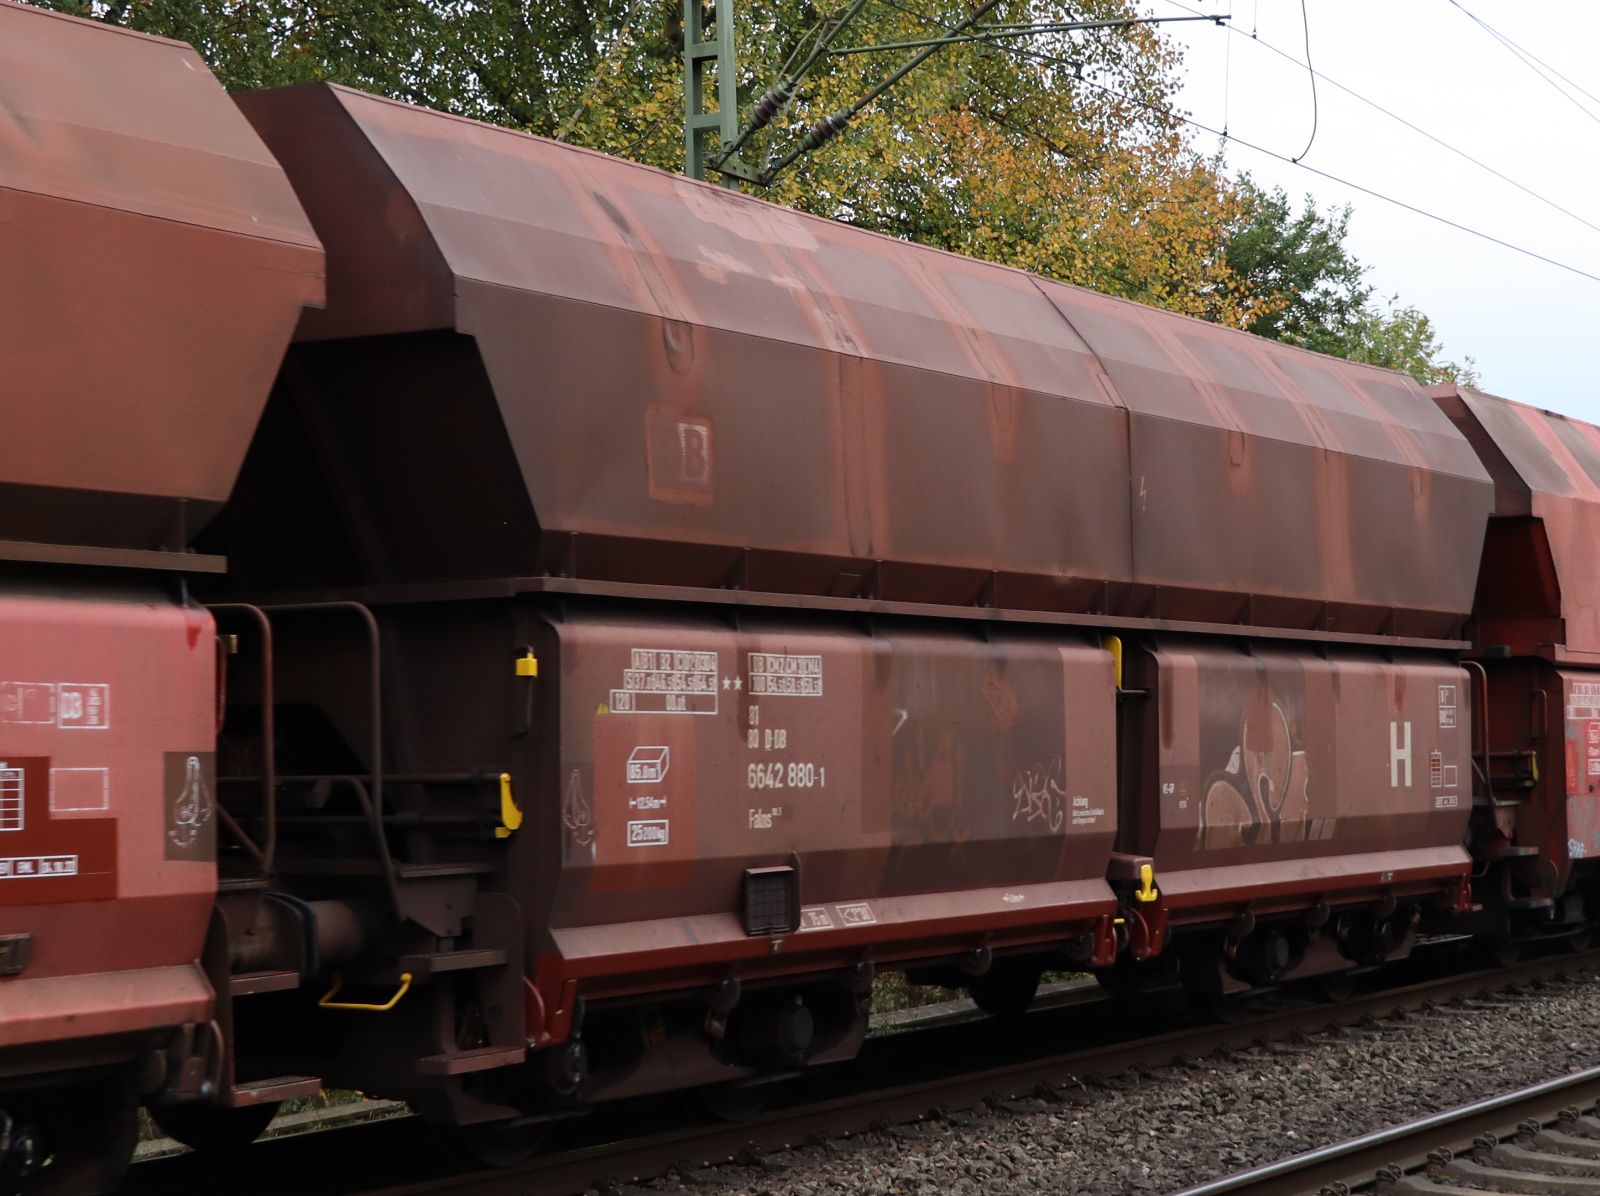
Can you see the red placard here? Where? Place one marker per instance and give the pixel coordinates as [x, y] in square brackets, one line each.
[48, 860]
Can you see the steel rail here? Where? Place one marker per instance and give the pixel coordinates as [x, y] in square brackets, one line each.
[1407, 1147]
[635, 1160]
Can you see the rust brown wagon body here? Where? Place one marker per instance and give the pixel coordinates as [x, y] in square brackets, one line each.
[807, 587]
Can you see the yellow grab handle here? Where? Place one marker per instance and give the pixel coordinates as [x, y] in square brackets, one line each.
[328, 1001]
[510, 812]
[1113, 645]
[1147, 891]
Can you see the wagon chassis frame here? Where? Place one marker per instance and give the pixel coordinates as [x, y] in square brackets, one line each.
[561, 587]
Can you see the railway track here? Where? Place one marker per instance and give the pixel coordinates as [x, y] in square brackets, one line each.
[1536, 1140]
[935, 1073]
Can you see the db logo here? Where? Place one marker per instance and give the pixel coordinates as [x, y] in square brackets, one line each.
[83, 707]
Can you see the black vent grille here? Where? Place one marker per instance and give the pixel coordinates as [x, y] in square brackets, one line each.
[15, 952]
[771, 900]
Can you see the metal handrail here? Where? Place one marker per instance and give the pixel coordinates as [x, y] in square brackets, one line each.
[372, 800]
[368, 790]
[265, 855]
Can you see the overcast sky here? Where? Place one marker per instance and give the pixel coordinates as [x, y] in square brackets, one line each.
[1532, 328]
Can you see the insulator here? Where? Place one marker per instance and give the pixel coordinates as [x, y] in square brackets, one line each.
[770, 104]
[826, 129]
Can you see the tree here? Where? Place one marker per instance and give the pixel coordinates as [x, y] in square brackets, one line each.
[1311, 291]
[1298, 262]
[1399, 337]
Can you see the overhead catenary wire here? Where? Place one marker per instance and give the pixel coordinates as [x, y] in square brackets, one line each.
[1227, 82]
[988, 32]
[1577, 87]
[967, 30]
[829, 126]
[1530, 61]
[1417, 129]
[1316, 110]
[778, 96]
[799, 46]
[1056, 60]
[1378, 195]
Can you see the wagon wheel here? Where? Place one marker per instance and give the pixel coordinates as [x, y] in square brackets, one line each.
[1503, 952]
[1221, 1008]
[495, 1143]
[1333, 987]
[735, 1102]
[208, 1128]
[1005, 991]
[87, 1138]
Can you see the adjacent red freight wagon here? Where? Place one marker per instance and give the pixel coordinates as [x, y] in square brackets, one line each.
[1536, 644]
[153, 262]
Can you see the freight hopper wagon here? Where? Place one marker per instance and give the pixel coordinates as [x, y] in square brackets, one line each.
[153, 261]
[655, 612]
[1536, 660]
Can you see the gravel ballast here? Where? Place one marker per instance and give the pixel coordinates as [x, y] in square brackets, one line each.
[1166, 1129]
